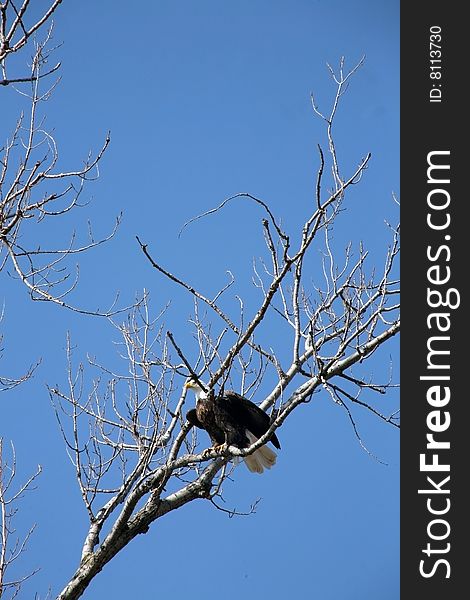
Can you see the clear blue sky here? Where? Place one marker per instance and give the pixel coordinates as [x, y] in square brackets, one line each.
[206, 99]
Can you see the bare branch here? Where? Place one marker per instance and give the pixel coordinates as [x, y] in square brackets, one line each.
[31, 187]
[137, 458]
[12, 546]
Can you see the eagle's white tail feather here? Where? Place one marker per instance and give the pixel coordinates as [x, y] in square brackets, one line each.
[262, 458]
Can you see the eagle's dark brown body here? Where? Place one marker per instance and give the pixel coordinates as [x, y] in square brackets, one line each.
[231, 419]
[203, 416]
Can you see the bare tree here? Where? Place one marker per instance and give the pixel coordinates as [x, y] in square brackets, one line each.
[12, 546]
[32, 187]
[16, 29]
[134, 454]
[34, 190]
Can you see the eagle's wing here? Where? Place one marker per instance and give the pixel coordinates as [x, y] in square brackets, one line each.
[215, 433]
[191, 415]
[244, 411]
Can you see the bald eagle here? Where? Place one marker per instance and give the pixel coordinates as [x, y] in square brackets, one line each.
[231, 419]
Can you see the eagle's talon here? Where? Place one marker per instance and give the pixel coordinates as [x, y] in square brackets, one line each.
[217, 448]
[206, 452]
[220, 448]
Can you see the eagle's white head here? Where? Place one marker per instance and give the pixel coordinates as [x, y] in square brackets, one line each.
[193, 385]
